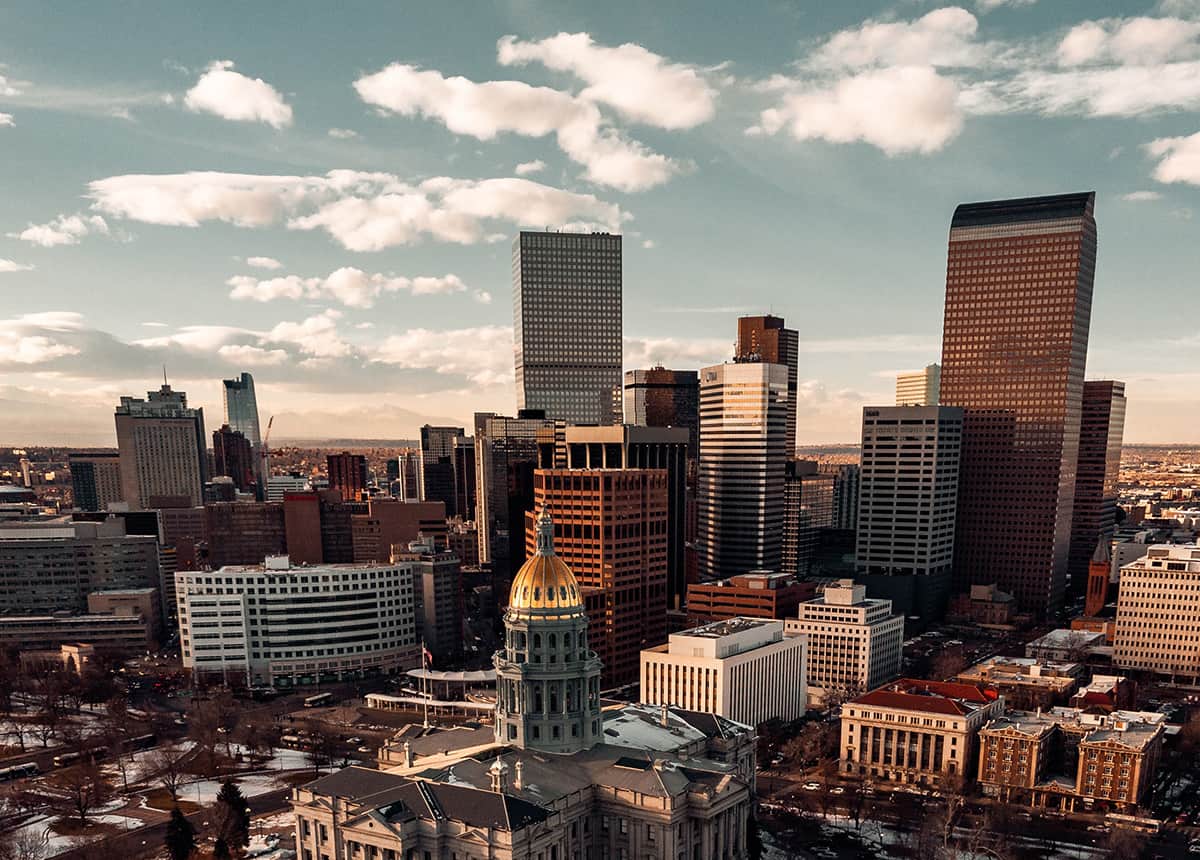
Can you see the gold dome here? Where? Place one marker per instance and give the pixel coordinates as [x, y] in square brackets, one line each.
[545, 581]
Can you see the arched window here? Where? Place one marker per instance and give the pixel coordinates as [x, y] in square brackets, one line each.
[537, 641]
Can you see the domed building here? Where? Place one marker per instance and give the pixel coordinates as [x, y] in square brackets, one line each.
[556, 777]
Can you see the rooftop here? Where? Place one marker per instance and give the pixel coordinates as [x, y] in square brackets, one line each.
[728, 627]
[940, 697]
[1049, 208]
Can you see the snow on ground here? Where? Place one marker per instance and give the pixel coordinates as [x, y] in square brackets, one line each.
[252, 784]
[139, 767]
[278, 821]
[40, 827]
[281, 758]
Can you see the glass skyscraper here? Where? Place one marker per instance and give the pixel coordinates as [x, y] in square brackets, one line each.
[241, 408]
[567, 325]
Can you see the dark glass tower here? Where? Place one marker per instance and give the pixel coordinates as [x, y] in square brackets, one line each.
[1019, 279]
[1102, 428]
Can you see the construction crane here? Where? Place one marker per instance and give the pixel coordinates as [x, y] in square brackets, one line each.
[265, 454]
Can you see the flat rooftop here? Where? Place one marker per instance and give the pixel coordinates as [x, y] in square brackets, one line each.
[728, 627]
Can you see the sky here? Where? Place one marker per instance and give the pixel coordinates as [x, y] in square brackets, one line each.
[325, 194]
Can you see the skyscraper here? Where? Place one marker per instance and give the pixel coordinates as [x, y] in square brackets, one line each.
[234, 456]
[1019, 279]
[435, 469]
[664, 398]
[162, 447]
[347, 474]
[743, 458]
[1102, 428]
[807, 510]
[766, 339]
[464, 478]
[920, 387]
[908, 492]
[95, 479]
[567, 325]
[241, 408]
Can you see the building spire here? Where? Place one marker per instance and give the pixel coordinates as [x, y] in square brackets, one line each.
[545, 533]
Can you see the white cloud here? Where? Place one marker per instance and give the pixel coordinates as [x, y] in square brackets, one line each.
[482, 296]
[6, 120]
[676, 351]
[343, 133]
[1122, 91]
[1179, 159]
[640, 85]
[63, 230]
[351, 287]
[990, 5]
[899, 109]
[316, 336]
[232, 95]
[362, 211]
[11, 266]
[483, 354]
[1141, 196]
[1131, 41]
[8, 88]
[942, 38]
[264, 263]
[253, 356]
[484, 110]
[31, 339]
[527, 167]
[647, 243]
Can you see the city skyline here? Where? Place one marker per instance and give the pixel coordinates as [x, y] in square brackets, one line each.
[178, 206]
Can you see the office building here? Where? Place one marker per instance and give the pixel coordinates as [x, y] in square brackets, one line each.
[1158, 614]
[908, 494]
[1102, 428]
[751, 595]
[163, 449]
[1019, 276]
[241, 409]
[408, 478]
[1026, 683]
[279, 486]
[95, 479]
[629, 447]
[131, 634]
[506, 455]
[920, 387]
[282, 625]
[1072, 760]
[233, 456]
[846, 478]
[347, 474]
[665, 398]
[766, 340]
[567, 325]
[916, 732]
[611, 529]
[463, 540]
[742, 469]
[385, 525]
[437, 585]
[436, 474]
[741, 668]
[52, 567]
[464, 479]
[855, 643]
[557, 776]
[244, 533]
[808, 511]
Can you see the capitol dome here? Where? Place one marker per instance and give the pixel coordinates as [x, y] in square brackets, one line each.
[545, 584]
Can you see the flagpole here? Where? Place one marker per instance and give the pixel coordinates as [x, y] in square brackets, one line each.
[424, 679]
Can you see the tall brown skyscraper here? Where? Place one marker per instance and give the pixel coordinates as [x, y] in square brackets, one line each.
[233, 455]
[1019, 279]
[1102, 428]
[765, 339]
[347, 474]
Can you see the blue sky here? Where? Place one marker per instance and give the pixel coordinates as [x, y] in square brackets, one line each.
[324, 194]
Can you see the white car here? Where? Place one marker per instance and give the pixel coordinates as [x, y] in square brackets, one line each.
[811, 786]
[1194, 848]
[837, 789]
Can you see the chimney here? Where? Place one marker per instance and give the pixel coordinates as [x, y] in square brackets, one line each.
[408, 756]
[499, 773]
[518, 769]
[664, 718]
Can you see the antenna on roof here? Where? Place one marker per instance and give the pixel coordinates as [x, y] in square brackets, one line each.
[164, 376]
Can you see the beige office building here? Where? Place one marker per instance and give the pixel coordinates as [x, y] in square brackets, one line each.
[919, 388]
[742, 668]
[1158, 613]
[854, 642]
[163, 449]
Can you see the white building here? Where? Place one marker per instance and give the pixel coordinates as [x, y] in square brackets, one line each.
[280, 485]
[282, 625]
[742, 467]
[743, 669]
[1158, 613]
[855, 643]
[919, 388]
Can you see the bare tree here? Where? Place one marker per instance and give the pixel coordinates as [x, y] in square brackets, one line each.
[84, 788]
[26, 843]
[323, 748]
[46, 692]
[1125, 844]
[167, 766]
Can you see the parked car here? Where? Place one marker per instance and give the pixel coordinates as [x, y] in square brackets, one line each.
[811, 786]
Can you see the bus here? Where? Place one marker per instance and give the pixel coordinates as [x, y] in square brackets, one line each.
[68, 759]
[1132, 822]
[320, 700]
[141, 742]
[18, 771]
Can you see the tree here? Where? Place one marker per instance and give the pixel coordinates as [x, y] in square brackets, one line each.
[166, 764]
[181, 836]
[1125, 844]
[47, 686]
[26, 843]
[84, 788]
[221, 850]
[232, 816]
[323, 748]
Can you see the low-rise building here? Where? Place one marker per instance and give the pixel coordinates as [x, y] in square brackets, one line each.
[758, 594]
[985, 605]
[1064, 645]
[741, 668]
[126, 633]
[915, 731]
[855, 643]
[1063, 756]
[1026, 683]
[282, 625]
[1105, 694]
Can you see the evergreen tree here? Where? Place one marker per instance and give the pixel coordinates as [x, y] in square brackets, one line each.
[181, 836]
[233, 816]
[221, 849]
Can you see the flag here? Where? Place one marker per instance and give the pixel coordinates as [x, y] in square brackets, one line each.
[426, 657]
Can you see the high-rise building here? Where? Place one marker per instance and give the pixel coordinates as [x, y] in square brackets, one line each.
[244, 532]
[845, 494]
[610, 526]
[347, 474]
[241, 408]
[436, 475]
[1101, 430]
[464, 479]
[807, 511]
[628, 447]
[766, 339]
[919, 387]
[408, 468]
[664, 398]
[742, 469]
[567, 325]
[907, 498]
[233, 456]
[438, 586]
[506, 454]
[162, 447]
[1019, 279]
[95, 479]
[1158, 613]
